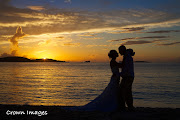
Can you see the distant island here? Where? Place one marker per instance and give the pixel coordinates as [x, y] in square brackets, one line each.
[23, 59]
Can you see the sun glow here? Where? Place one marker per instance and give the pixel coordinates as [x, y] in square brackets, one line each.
[44, 58]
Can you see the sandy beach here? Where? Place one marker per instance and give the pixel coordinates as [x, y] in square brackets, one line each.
[28, 112]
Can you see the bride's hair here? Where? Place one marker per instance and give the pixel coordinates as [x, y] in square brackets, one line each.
[131, 52]
[112, 54]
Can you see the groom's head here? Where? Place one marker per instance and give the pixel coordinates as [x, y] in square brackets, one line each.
[122, 50]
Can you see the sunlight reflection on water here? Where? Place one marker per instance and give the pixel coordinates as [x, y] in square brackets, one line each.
[155, 85]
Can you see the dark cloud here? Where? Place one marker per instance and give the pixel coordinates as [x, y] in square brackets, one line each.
[164, 31]
[146, 42]
[114, 40]
[10, 14]
[4, 3]
[168, 44]
[135, 38]
[60, 37]
[134, 29]
[137, 42]
[128, 30]
[149, 37]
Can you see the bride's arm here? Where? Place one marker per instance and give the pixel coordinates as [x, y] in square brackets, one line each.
[114, 63]
[119, 65]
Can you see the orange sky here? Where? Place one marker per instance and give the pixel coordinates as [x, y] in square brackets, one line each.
[77, 35]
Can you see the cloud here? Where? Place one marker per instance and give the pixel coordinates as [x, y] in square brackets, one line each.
[94, 38]
[168, 44]
[134, 29]
[96, 46]
[12, 15]
[134, 38]
[140, 42]
[5, 55]
[127, 30]
[45, 42]
[38, 8]
[149, 37]
[19, 34]
[136, 42]
[71, 44]
[14, 40]
[41, 51]
[164, 31]
[52, 20]
[87, 35]
[60, 37]
[13, 53]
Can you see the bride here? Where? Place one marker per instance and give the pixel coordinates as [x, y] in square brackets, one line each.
[107, 101]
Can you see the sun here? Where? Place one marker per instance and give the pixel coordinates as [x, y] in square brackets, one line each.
[44, 58]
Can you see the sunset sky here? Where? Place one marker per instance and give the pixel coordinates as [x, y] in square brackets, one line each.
[80, 30]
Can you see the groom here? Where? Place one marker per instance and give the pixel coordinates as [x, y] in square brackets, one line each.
[127, 75]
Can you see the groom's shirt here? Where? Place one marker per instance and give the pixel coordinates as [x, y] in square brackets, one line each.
[127, 66]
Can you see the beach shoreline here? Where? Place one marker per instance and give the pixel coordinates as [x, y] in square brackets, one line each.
[32, 112]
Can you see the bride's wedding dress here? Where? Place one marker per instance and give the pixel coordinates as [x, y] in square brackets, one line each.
[107, 101]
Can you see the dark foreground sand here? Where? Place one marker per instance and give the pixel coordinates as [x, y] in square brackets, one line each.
[57, 113]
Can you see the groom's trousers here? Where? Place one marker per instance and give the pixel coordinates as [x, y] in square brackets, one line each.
[126, 92]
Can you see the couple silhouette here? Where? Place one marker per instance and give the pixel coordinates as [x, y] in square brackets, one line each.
[118, 93]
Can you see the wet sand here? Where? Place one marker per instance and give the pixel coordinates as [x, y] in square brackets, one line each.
[29, 112]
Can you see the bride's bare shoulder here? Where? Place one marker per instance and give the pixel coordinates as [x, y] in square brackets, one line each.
[113, 63]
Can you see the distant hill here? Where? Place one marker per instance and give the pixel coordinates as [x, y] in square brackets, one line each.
[23, 59]
[14, 59]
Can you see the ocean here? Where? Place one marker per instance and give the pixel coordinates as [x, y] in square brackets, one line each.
[75, 84]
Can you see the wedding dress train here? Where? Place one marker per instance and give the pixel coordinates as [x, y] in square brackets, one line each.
[107, 101]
